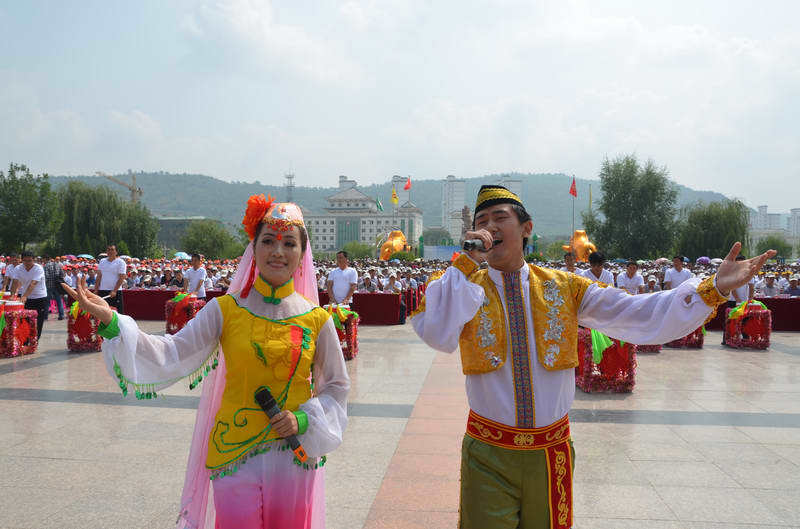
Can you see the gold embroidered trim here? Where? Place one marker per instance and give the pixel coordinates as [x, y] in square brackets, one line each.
[491, 194]
[465, 264]
[708, 292]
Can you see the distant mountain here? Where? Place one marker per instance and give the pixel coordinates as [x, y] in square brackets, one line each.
[545, 195]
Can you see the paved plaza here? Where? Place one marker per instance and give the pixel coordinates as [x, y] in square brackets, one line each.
[708, 439]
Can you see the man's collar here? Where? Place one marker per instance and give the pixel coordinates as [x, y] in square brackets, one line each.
[497, 276]
[272, 294]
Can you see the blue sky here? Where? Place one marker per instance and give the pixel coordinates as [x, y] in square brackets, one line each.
[246, 90]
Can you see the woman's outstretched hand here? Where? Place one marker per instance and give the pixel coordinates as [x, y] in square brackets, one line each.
[90, 302]
[733, 274]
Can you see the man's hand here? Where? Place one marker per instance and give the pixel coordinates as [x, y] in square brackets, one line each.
[112, 294]
[732, 273]
[24, 299]
[284, 424]
[479, 255]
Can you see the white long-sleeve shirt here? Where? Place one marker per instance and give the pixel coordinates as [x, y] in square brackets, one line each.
[453, 300]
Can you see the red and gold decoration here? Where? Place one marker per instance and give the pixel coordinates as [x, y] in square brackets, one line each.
[180, 309]
[748, 325]
[554, 439]
[82, 331]
[346, 322]
[580, 246]
[17, 330]
[604, 364]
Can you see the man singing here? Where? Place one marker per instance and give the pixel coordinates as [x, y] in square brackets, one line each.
[516, 326]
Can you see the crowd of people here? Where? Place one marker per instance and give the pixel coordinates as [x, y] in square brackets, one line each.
[343, 277]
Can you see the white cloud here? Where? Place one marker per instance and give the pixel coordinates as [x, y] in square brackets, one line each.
[250, 38]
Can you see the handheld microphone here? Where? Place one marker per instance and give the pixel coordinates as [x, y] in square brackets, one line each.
[475, 244]
[267, 402]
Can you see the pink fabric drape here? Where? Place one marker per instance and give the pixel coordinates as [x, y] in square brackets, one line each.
[197, 509]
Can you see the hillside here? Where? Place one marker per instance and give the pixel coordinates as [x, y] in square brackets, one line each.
[545, 195]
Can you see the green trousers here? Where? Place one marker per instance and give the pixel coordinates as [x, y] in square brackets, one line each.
[503, 488]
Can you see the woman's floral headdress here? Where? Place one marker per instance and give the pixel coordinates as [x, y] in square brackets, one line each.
[280, 215]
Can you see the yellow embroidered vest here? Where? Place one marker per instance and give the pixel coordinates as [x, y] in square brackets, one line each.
[259, 352]
[554, 296]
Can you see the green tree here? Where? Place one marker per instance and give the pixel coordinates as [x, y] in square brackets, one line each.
[437, 236]
[554, 250]
[356, 250]
[403, 256]
[210, 238]
[711, 229]
[777, 243]
[28, 208]
[94, 217]
[637, 207]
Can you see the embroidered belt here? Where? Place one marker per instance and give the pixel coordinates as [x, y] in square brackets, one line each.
[494, 433]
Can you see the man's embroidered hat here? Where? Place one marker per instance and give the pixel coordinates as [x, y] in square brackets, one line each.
[490, 195]
[279, 215]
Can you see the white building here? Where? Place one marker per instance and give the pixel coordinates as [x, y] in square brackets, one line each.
[512, 184]
[453, 193]
[354, 216]
[764, 224]
[794, 222]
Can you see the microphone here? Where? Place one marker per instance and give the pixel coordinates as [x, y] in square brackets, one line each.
[475, 244]
[267, 402]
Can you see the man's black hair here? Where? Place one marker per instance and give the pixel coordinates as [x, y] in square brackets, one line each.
[343, 253]
[596, 258]
[196, 255]
[632, 262]
[568, 254]
[26, 253]
[522, 216]
[678, 257]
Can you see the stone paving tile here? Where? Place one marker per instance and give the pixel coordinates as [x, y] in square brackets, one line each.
[125, 463]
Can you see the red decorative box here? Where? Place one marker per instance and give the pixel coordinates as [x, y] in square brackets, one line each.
[349, 337]
[750, 331]
[19, 335]
[648, 348]
[82, 333]
[693, 340]
[179, 313]
[615, 373]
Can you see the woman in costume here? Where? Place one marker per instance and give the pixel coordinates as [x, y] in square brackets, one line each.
[268, 331]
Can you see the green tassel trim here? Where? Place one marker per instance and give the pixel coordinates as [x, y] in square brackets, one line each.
[232, 467]
[147, 391]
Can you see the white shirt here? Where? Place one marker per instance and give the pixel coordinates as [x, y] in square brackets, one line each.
[675, 278]
[631, 284]
[9, 272]
[36, 273]
[193, 277]
[743, 292]
[111, 271]
[605, 277]
[452, 301]
[342, 280]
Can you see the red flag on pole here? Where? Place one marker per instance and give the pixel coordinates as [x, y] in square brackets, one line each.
[572, 189]
[408, 184]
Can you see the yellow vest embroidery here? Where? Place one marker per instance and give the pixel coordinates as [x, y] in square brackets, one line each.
[554, 296]
[259, 352]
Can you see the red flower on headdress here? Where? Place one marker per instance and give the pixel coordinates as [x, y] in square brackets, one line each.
[257, 207]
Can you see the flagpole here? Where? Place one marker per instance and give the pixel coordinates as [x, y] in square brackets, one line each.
[572, 234]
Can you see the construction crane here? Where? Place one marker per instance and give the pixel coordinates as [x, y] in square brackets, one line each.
[136, 192]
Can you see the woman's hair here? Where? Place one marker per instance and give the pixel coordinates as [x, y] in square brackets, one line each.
[303, 236]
